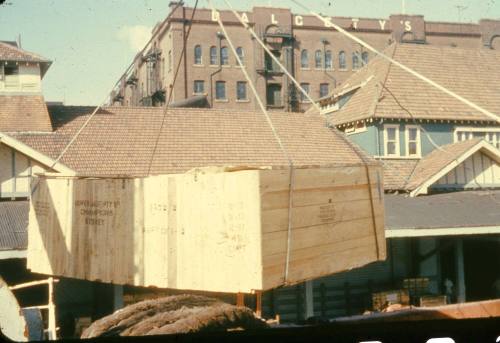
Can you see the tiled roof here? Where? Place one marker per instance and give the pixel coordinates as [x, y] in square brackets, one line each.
[24, 113]
[471, 73]
[14, 225]
[434, 162]
[121, 140]
[9, 52]
[397, 173]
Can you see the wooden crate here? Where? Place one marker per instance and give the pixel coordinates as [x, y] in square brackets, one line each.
[381, 299]
[211, 229]
[432, 300]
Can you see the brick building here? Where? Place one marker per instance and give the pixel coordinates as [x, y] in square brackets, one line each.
[319, 57]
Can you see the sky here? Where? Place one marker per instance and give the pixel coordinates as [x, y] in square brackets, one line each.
[92, 42]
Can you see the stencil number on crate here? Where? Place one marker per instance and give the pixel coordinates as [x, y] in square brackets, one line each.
[327, 213]
[95, 212]
[233, 235]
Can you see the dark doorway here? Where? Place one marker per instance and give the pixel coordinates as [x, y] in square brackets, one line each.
[482, 267]
[274, 95]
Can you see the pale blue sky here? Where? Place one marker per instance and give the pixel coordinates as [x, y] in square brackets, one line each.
[91, 42]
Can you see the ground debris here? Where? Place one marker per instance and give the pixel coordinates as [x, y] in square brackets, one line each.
[174, 314]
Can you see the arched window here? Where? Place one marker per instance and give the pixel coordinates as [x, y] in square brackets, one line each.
[304, 59]
[364, 58]
[318, 59]
[213, 55]
[328, 60]
[197, 54]
[241, 54]
[355, 60]
[342, 61]
[224, 56]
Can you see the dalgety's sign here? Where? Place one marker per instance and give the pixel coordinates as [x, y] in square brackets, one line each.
[299, 21]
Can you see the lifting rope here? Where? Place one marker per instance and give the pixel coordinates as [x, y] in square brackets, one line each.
[276, 136]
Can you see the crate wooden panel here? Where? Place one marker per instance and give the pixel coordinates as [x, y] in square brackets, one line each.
[210, 229]
[432, 300]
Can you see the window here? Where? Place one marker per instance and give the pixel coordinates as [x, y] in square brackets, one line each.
[328, 60]
[355, 60]
[271, 65]
[220, 90]
[342, 61]
[170, 60]
[224, 56]
[11, 73]
[323, 89]
[491, 135]
[364, 58]
[241, 90]
[197, 55]
[306, 88]
[213, 55]
[318, 59]
[273, 95]
[391, 140]
[304, 59]
[413, 141]
[241, 54]
[199, 87]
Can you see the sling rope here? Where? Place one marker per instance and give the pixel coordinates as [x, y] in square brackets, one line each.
[328, 22]
[275, 133]
[275, 59]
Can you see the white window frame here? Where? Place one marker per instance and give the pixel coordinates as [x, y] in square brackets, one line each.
[470, 131]
[407, 140]
[398, 149]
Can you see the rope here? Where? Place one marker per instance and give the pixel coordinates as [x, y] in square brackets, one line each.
[165, 109]
[254, 35]
[329, 23]
[276, 136]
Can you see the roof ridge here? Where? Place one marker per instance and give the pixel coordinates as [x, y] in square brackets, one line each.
[381, 89]
[26, 52]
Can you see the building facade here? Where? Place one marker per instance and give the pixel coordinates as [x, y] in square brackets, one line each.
[319, 57]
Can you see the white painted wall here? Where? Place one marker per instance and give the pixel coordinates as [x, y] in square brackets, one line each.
[28, 80]
[477, 171]
[15, 172]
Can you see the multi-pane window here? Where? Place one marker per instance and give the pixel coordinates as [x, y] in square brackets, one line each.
[323, 90]
[304, 59]
[213, 55]
[306, 88]
[342, 61]
[220, 90]
[318, 59]
[465, 133]
[241, 90]
[197, 54]
[391, 140]
[412, 141]
[364, 58]
[241, 54]
[355, 60]
[199, 87]
[328, 59]
[224, 56]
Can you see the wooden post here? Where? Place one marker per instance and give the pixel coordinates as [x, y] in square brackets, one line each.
[309, 299]
[258, 304]
[459, 261]
[240, 299]
[52, 330]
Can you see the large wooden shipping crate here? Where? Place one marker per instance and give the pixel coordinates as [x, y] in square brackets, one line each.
[210, 229]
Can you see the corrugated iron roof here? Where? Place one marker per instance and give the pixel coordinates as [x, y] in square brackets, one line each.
[448, 210]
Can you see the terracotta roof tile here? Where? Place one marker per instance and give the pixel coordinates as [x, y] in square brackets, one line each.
[434, 162]
[121, 140]
[24, 113]
[9, 52]
[471, 73]
[397, 173]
